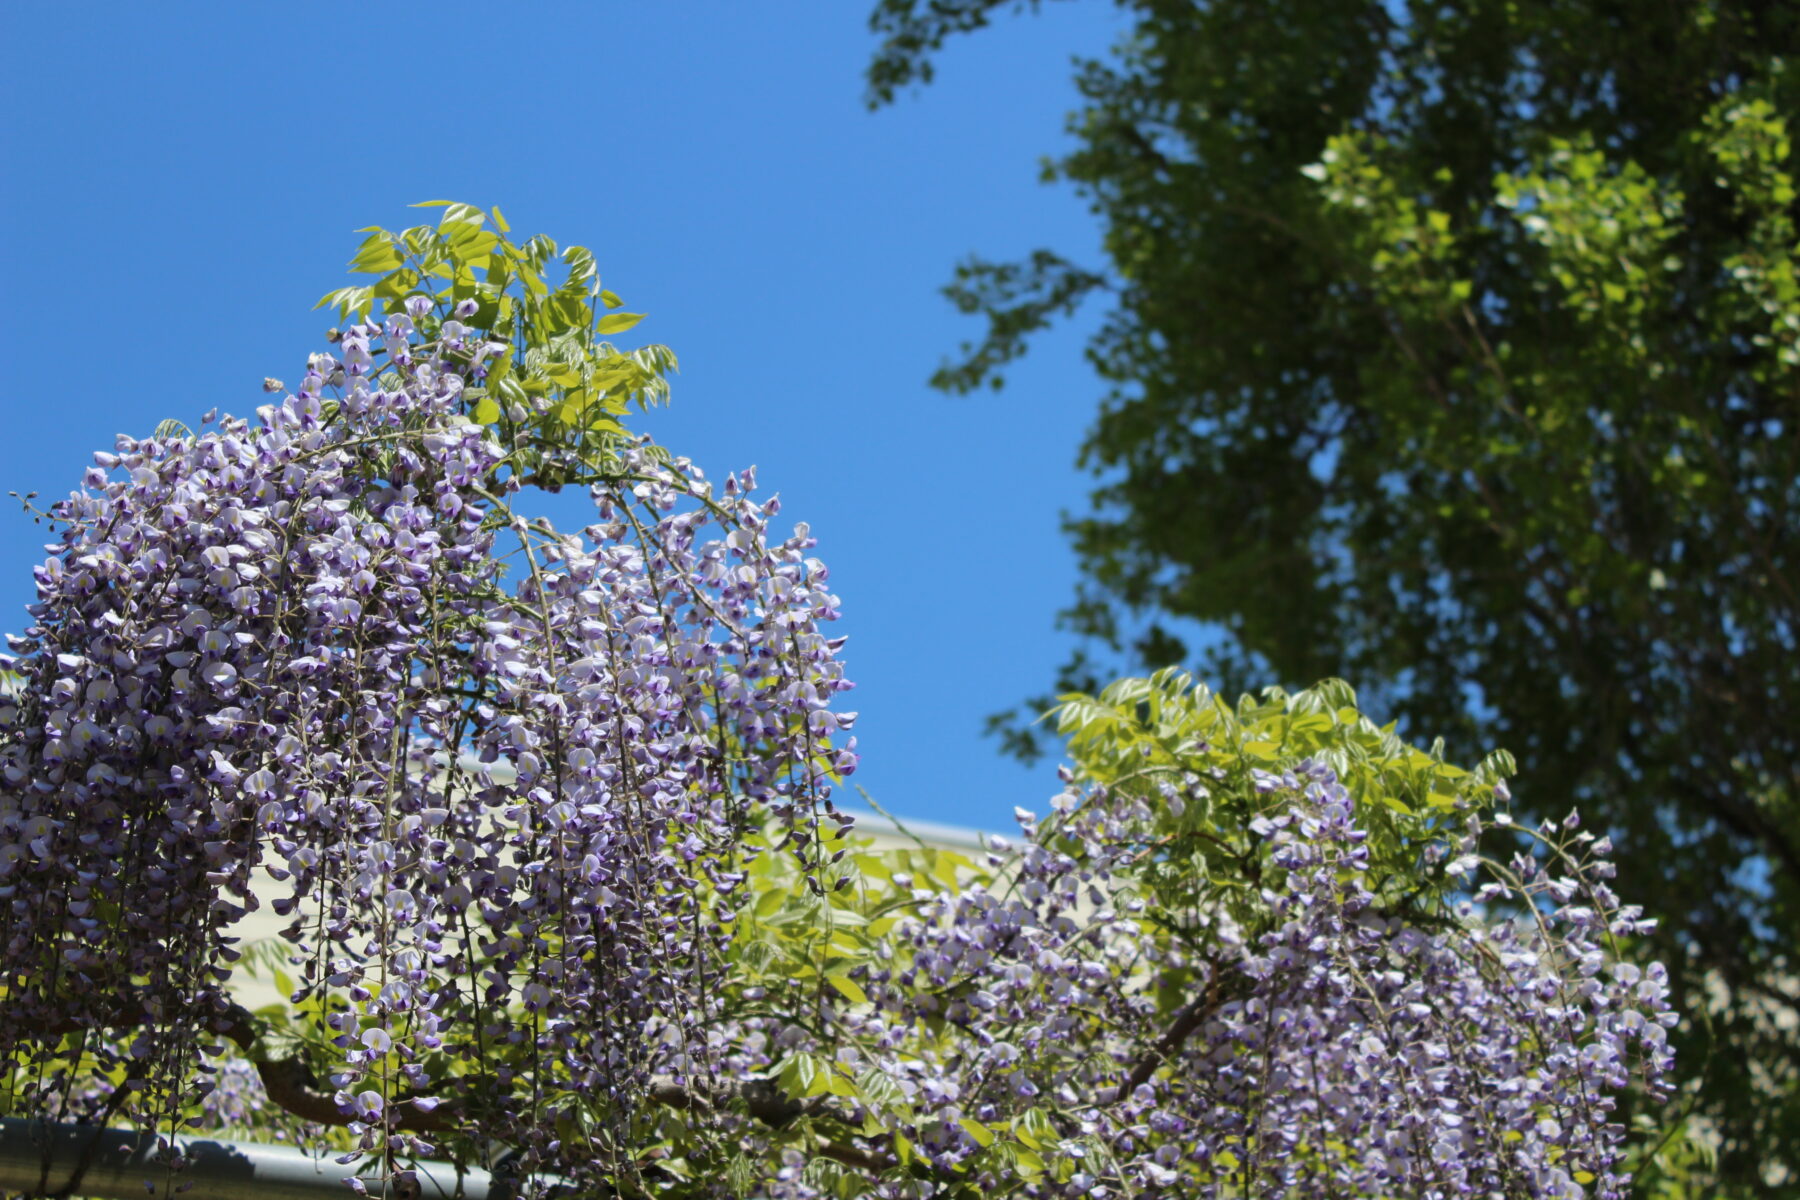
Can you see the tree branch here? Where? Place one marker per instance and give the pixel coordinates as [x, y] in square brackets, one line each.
[291, 1085]
[1188, 1019]
[288, 1081]
[767, 1103]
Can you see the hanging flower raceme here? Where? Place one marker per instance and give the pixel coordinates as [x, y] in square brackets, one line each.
[502, 772]
[548, 818]
[1335, 1050]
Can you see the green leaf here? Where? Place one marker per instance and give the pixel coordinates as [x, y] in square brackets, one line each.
[771, 901]
[611, 299]
[461, 214]
[486, 411]
[395, 285]
[799, 1076]
[333, 298]
[617, 322]
[1034, 1129]
[580, 261]
[377, 254]
[850, 989]
[795, 910]
[981, 1133]
[878, 1088]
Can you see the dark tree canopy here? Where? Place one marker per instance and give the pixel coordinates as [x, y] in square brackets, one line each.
[1455, 349]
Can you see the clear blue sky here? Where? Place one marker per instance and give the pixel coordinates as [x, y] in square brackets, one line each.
[182, 181]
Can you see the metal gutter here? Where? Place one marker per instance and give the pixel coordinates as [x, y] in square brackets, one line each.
[122, 1162]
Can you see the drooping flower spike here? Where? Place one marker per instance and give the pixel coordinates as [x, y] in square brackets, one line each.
[549, 819]
[502, 774]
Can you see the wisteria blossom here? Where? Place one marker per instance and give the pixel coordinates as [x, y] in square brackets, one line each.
[1047, 1032]
[550, 819]
[501, 771]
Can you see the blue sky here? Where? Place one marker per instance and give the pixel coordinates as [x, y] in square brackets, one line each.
[182, 182]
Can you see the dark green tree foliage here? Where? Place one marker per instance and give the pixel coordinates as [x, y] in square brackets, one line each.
[1456, 349]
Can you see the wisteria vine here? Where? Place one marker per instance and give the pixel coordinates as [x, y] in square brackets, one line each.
[508, 813]
[1338, 1052]
[549, 818]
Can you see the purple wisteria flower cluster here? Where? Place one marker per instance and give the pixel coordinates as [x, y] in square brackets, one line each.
[503, 772]
[1053, 1031]
[548, 817]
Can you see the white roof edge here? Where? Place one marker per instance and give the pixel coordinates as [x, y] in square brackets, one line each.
[956, 836]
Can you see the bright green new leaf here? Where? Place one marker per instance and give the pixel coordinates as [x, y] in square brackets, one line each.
[850, 989]
[617, 322]
[981, 1133]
